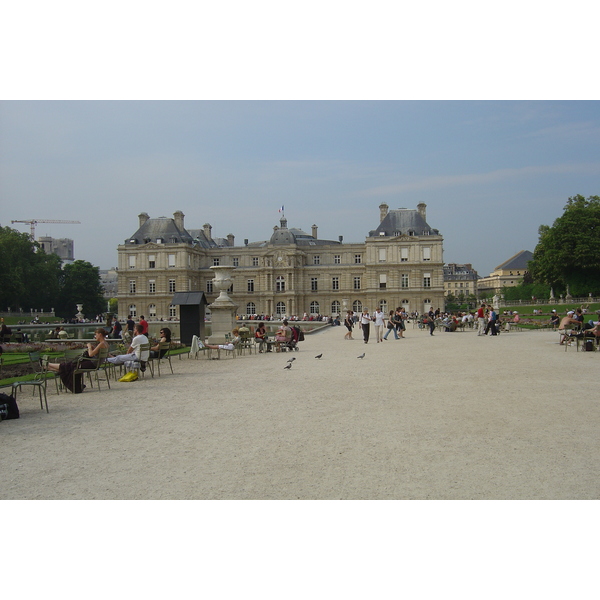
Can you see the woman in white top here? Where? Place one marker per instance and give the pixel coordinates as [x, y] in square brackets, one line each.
[379, 319]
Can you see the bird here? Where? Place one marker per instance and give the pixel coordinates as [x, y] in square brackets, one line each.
[288, 366]
[292, 359]
[319, 355]
[362, 355]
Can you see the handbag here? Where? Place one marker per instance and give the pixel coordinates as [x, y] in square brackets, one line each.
[131, 376]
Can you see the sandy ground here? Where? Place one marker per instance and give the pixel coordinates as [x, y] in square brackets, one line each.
[453, 416]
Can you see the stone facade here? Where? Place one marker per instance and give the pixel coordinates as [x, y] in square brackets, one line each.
[508, 274]
[400, 263]
[460, 279]
[62, 247]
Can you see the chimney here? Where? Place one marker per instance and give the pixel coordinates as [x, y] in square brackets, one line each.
[143, 217]
[422, 208]
[230, 239]
[383, 211]
[178, 216]
[314, 231]
[207, 231]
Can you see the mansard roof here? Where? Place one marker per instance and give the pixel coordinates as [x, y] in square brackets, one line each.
[516, 263]
[160, 230]
[403, 221]
[201, 240]
[282, 236]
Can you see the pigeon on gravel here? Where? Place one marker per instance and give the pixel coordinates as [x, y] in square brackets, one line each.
[318, 355]
[288, 366]
[361, 356]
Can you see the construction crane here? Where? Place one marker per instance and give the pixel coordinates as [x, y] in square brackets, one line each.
[34, 222]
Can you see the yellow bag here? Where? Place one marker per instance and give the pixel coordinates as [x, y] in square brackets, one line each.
[131, 376]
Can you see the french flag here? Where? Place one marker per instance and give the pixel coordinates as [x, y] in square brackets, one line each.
[281, 209]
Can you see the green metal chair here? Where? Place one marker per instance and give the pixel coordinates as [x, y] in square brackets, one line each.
[40, 382]
[98, 361]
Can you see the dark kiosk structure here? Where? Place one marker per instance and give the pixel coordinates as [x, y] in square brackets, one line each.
[191, 315]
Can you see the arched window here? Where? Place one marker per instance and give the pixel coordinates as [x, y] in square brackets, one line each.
[335, 308]
[357, 306]
[250, 308]
[280, 309]
[132, 310]
[280, 284]
[314, 308]
[152, 311]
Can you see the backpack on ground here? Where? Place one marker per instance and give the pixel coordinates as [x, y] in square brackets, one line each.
[8, 407]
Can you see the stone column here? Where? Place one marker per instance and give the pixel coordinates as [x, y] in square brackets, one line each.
[223, 310]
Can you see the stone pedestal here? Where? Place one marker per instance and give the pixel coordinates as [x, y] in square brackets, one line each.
[223, 310]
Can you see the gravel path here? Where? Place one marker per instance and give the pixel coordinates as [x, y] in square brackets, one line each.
[453, 416]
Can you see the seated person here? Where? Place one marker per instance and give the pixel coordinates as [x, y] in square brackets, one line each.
[62, 334]
[165, 336]
[261, 335]
[133, 354]
[283, 335]
[229, 346]
[53, 335]
[565, 322]
[66, 370]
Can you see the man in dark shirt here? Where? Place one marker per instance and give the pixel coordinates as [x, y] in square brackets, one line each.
[130, 325]
[116, 329]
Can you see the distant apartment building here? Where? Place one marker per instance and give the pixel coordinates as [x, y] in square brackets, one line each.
[460, 279]
[508, 274]
[109, 280]
[400, 263]
[62, 247]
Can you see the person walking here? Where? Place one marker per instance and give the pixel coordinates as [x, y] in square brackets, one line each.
[399, 319]
[379, 319]
[391, 325]
[365, 323]
[491, 325]
[349, 323]
[481, 320]
[431, 321]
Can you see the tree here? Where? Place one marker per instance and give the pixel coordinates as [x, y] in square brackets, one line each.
[568, 253]
[30, 277]
[81, 284]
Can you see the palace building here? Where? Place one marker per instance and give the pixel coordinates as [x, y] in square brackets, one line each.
[400, 263]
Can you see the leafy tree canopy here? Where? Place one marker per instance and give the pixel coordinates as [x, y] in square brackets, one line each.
[30, 277]
[81, 285]
[33, 279]
[568, 253]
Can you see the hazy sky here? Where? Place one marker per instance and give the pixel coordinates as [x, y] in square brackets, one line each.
[490, 172]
